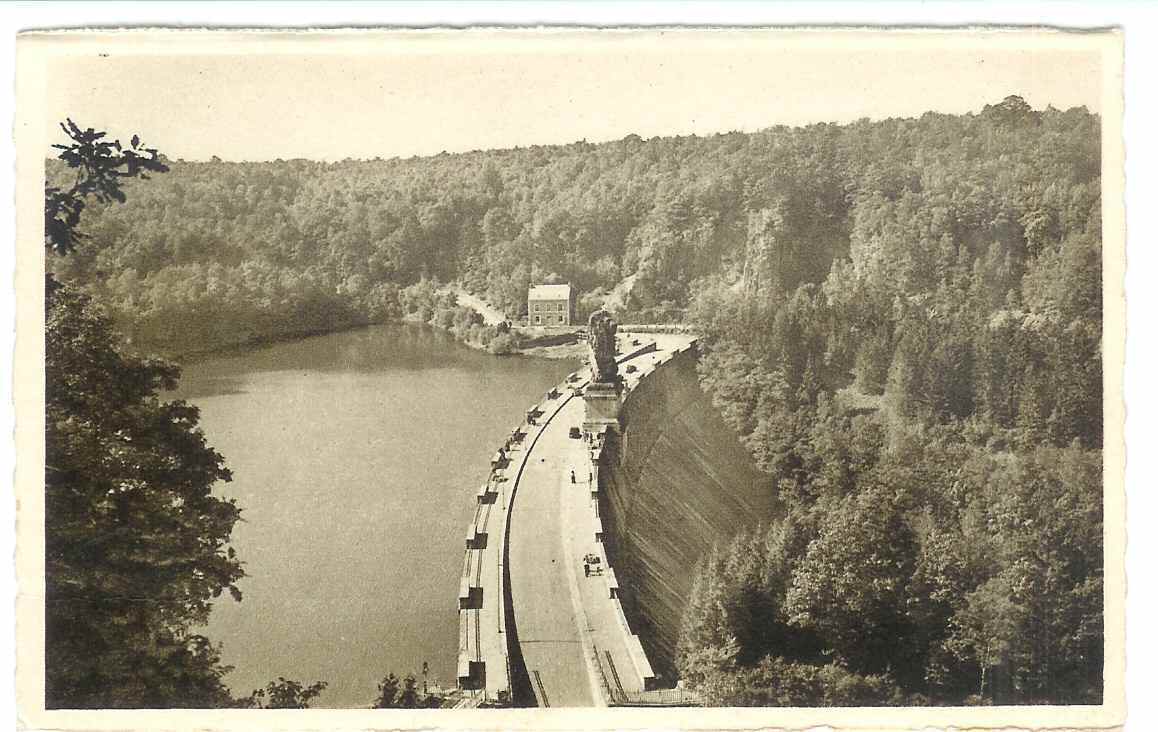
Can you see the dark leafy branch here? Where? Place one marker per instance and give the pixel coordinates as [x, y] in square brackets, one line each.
[99, 166]
[136, 544]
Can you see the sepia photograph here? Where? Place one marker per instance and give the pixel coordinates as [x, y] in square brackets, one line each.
[668, 375]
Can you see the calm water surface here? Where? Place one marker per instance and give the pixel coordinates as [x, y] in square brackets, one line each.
[355, 459]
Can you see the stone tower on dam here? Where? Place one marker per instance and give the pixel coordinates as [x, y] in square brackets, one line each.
[601, 398]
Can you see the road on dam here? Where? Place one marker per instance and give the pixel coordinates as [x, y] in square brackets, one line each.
[574, 644]
[541, 589]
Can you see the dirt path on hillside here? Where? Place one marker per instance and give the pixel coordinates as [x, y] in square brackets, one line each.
[491, 315]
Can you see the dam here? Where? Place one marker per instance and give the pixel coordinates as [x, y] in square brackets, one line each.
[572, 582]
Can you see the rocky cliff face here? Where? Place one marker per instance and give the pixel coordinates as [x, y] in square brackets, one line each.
[676, 481]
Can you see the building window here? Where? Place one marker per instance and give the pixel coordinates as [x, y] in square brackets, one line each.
[537, 320]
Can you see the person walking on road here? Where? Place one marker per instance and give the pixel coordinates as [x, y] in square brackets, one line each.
[572, 476]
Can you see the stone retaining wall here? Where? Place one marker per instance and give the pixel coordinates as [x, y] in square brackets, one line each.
[676, 481]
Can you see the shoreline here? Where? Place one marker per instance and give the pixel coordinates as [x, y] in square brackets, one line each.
[561, 352]
[553, 353]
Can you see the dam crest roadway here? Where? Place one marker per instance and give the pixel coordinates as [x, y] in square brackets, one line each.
[541, 622]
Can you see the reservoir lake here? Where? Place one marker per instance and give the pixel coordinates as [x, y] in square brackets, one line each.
[355, 457]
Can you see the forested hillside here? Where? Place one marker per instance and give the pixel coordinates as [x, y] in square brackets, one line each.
[930, 414]
[902, 319]
[215, 253]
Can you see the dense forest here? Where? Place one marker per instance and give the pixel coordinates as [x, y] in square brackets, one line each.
[136, 544]
[901, 318]
[217, 253]
[929, 411]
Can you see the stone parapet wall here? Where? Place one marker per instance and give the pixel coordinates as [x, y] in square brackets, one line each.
[483, 655]
[644, 676]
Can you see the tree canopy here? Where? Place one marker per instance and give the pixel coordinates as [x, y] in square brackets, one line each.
[901, 318]
[928, 409]
[215, 253]
[136, 542]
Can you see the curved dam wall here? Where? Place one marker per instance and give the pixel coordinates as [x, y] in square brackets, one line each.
[675, 481]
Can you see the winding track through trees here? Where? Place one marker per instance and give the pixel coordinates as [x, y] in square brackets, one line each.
[490, 314]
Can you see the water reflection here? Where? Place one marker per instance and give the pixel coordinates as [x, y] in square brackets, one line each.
[355, 458]
[364, 350]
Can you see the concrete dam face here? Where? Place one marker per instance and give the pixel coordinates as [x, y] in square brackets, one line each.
[677, 480]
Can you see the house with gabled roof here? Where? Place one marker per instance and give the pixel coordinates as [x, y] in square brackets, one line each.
[549, 305]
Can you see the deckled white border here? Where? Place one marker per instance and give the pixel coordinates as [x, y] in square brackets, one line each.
[29, 410]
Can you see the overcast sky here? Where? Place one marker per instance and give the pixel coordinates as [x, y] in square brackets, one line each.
[286, 97]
